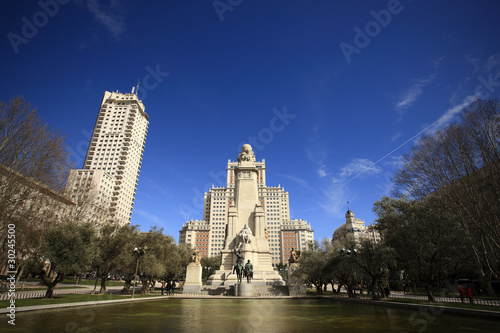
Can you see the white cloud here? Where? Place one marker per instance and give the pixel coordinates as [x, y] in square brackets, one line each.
[111, 18]
[322, 173]
[448, 116]
[413, 93]
[358, 166]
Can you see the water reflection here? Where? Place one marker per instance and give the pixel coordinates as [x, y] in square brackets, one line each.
[245, 315]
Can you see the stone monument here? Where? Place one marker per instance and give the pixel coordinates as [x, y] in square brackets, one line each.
[193, 275]
[246, 230]
[296, 285]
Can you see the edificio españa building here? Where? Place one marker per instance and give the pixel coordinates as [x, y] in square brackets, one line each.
[212, 235]
[113, 161]
[355, 231]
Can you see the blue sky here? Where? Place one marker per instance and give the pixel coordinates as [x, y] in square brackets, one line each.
[333, 93]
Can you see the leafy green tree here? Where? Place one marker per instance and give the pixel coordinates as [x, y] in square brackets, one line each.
[210, 265]
[424, 236]
[374, 259]
[282, 271]
[111, 242]
[71, 248]
[316, 266]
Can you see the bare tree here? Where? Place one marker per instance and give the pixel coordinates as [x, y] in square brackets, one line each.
[33, 170]
[460, 167]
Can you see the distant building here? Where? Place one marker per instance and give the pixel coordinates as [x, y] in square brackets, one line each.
[27, 202]
[295, 234]
[209, 236]
[113, 161]
[354, 230]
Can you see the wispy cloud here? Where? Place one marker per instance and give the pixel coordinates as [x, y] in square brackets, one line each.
[359, 166]
[322, 173]
[413, 93]
[318, 157]
[148, 216]
[111, 16]
[334, 201]
[395, 136]
[450, 114]
[302, 182]
[154, 186]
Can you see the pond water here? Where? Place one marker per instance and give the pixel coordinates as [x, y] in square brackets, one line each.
[247, 315]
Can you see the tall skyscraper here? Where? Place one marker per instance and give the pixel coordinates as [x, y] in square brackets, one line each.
[113, 161]
[211, 235]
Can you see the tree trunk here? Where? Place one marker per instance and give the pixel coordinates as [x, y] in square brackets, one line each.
[430, 295]
[19, 273]
[103, 285]
[319, 289]
[126, 287]
[372, 287]
[51, 285]
[145, 286]
[95, 284]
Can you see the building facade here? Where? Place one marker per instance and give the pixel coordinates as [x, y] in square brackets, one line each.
[354, 230]
[209, 235]
[113, 161]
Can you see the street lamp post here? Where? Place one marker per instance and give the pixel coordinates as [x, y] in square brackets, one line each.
[349, 252]
[138, 251]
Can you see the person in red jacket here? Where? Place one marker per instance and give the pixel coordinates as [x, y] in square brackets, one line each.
[469, 295]
[462, 292]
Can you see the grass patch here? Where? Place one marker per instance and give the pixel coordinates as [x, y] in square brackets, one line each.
[59, 299]
[42, 288]
[110, 283]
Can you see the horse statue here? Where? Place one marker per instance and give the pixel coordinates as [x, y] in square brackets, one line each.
[238, 267]
[239, 271]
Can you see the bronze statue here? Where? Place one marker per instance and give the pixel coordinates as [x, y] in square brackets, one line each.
[249, 271]
[238, 267]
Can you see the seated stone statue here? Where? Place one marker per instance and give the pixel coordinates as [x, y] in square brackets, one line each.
[195, 257]
[294, 256]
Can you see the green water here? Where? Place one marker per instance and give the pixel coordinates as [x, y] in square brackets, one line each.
[246, 315]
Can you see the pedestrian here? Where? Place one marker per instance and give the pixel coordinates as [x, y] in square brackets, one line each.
[404, 288]
[461, 292]
[469, 295]
[173, 286]
[169, 286]
[162, 287]
[387, 291]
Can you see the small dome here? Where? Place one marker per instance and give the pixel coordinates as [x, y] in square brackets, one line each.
[349, 213]
[246, 148]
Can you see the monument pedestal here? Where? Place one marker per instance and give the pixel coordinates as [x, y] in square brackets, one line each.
[244, 289]
[193, 279]
[296, 285]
